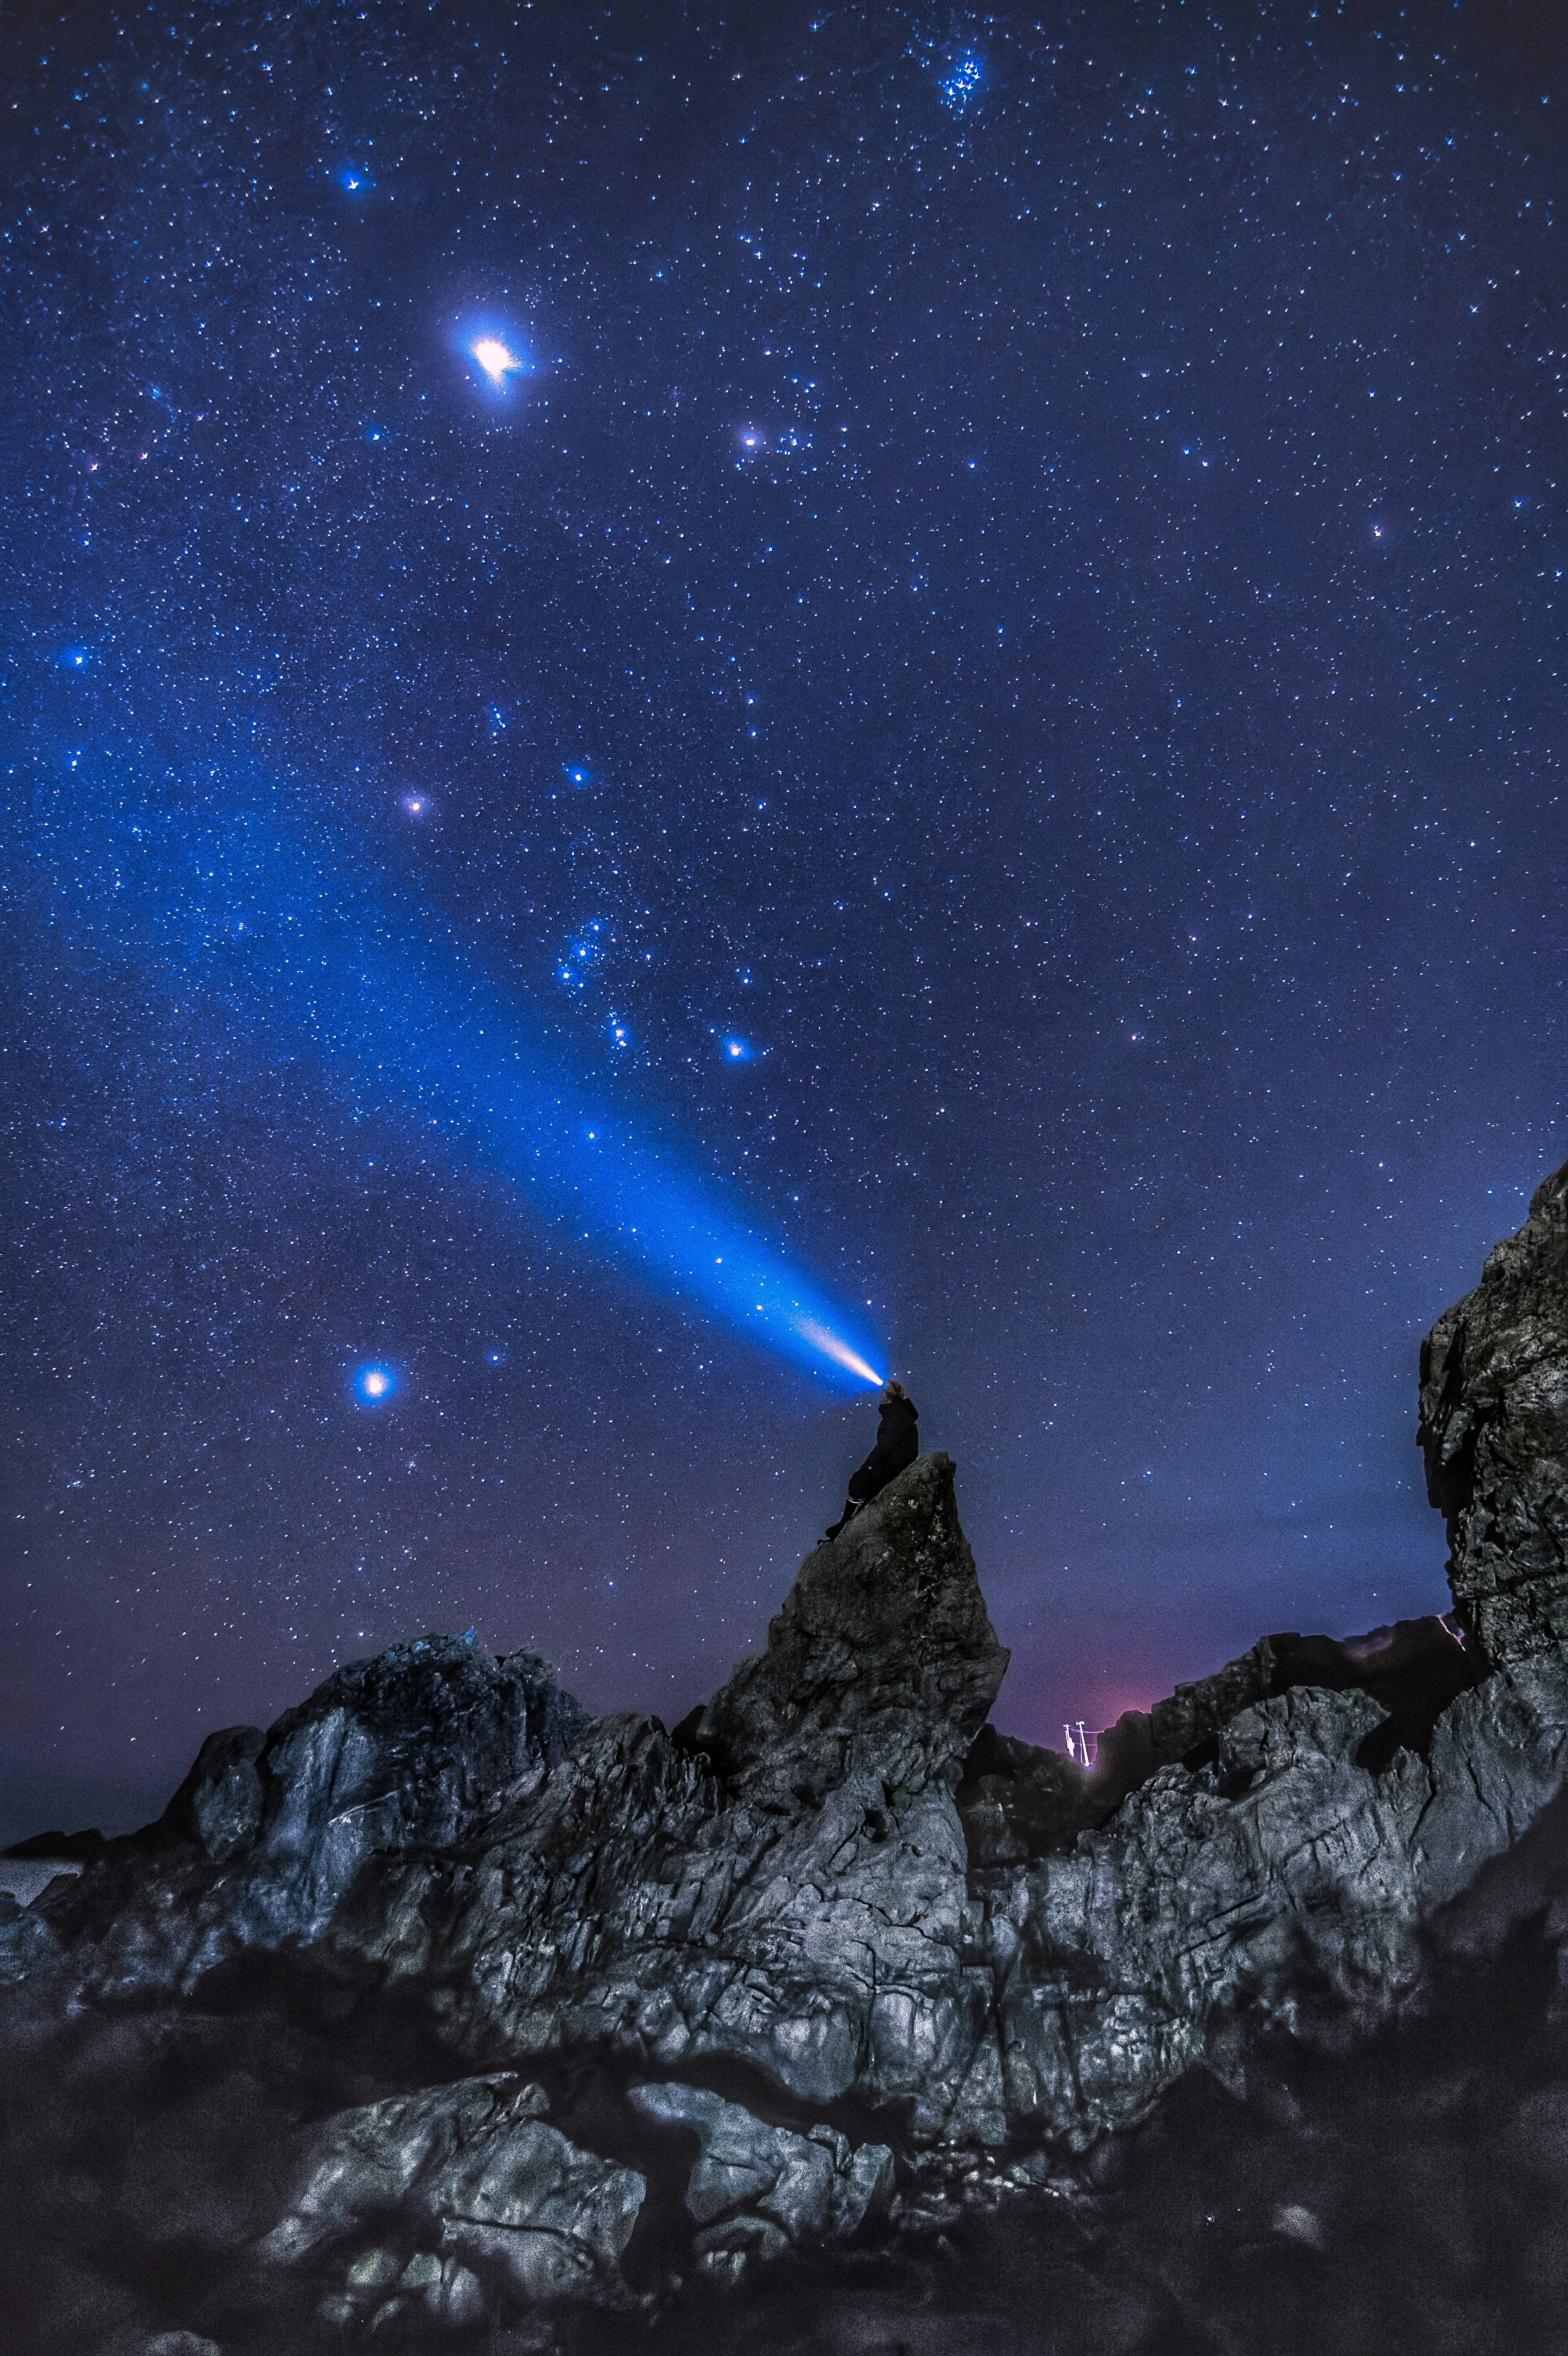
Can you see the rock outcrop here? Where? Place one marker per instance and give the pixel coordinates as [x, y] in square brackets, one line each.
[1494, 1426]
[268, 1834]
[834, 1942]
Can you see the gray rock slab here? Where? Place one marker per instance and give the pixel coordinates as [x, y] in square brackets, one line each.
[470, 2172]
[810, 2186]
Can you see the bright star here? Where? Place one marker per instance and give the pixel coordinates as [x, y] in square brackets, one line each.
[375, 1384]
[495, 361]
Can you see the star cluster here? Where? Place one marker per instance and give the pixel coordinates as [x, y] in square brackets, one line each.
[955, 640]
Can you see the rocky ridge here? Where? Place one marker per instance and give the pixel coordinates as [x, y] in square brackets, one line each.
[832, 1947]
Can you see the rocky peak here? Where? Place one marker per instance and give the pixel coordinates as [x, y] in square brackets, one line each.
[883, 1658]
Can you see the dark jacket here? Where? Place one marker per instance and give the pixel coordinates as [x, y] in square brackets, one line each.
[897, 1444]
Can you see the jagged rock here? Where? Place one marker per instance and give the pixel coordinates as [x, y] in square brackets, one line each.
[223, 1799]
[496, 2204]
[798, 1885]
[754, 2188]
[267, 1835]
[883, 1655]
[806, 1911]
[1019, 1802]
[1494, 1427]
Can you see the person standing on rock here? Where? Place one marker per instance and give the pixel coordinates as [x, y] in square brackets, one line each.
[898, 1445]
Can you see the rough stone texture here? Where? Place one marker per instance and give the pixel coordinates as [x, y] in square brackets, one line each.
[882, 1656]
[926, 1947]
[807, 1911]
[1494, 1426]
[268, 1834]
[482, 2188]
[755, 2189]
[1017, 1801]
[26, 1940]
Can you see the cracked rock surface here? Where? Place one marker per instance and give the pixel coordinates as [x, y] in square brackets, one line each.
[478, 2197]
[833, 1960]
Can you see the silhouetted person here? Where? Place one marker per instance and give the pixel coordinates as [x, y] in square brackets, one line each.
[897, 1444]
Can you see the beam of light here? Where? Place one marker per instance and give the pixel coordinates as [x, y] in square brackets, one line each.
[841, 1354]
[287, 943]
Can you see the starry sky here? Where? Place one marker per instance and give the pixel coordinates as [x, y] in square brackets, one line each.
[698, 700]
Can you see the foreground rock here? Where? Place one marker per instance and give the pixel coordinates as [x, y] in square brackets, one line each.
[754, 2188]
[833, 1944]
[449, 2202]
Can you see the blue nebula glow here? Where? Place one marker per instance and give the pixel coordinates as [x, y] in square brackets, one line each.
[73, 658]
[293, 949]
[354, 179]
[375, 1385]
[577, 775]
[739, 1050]
[962, 82]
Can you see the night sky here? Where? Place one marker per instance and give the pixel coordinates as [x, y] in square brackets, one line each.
[690, 692]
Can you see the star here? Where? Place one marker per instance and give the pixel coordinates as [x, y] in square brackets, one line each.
[496, 361]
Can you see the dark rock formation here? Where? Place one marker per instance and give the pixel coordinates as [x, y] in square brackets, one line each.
[1019, 1802]
[754, 2189]
[882, 1657]
[836, 1952]
[1494, 1426]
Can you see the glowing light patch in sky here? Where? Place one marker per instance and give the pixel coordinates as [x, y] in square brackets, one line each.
[962, 82]
[294, 949]
[496, 361]
[375, 1385]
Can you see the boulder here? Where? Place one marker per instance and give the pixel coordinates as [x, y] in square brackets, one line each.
[755, 2189]
[416, 2198]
